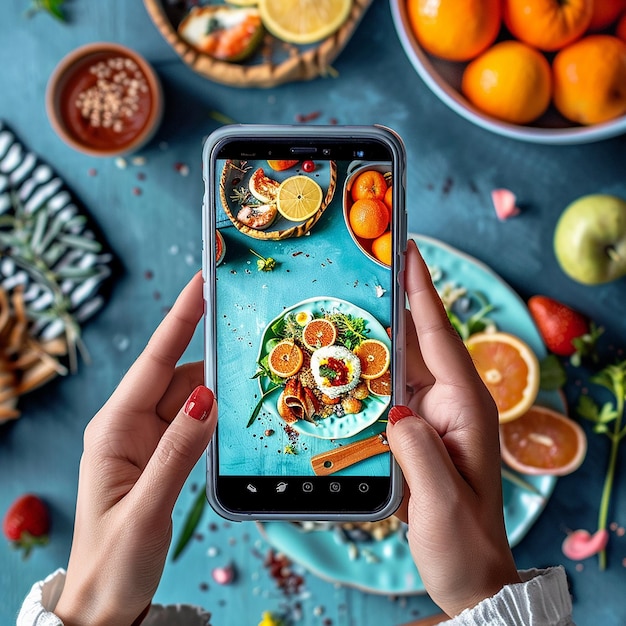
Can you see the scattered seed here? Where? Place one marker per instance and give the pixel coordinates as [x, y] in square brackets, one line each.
[136, 191]
[121, 163]
[224, 575]
[138, 160]
[92, 171]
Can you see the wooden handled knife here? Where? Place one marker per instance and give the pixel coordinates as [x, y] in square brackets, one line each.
[339, 458]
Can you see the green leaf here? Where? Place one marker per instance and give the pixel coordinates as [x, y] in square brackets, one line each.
[552, 375]
[259, 404]
[191, 523]
[588, 409]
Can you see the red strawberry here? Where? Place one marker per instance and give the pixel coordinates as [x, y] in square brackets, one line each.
[565, 331]
[26, 523]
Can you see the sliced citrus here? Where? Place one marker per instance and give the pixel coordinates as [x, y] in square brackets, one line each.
[319, 333]
[298, 198]
[509, 369]
[285, 359]
[543, 441]
[303, 21]
[380, 386]
[279, 165]
[375, 358]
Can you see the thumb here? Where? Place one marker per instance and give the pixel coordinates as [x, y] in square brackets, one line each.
[421, 454]
[179, 449]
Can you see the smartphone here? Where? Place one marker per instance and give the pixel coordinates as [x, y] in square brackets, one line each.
[304, 234]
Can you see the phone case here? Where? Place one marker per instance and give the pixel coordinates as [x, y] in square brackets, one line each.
[340, 457]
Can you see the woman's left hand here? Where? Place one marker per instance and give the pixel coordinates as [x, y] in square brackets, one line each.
[139, 450]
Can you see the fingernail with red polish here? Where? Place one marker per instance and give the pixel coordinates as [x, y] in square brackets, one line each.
[199, 403]
[396, 413]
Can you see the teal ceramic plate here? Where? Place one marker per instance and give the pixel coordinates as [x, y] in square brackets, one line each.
[388, 568]
[332, 427]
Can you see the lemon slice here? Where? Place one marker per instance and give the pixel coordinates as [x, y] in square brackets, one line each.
[298, 198]
[303, 21]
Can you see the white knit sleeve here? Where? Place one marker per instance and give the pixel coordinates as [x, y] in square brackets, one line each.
[38, 606]
[541, 599]
[41, 600]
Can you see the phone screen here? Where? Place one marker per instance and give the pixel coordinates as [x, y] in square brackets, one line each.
[302, 341]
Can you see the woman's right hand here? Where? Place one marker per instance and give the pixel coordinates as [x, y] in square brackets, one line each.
[446, 442]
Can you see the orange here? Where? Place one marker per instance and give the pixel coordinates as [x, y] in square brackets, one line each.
[388, 199]
[285, 359]
[605, 12]
[319, 333]
[380, 386]
[547, 24]
[456, 30]
[381, 248]
[509, 369]
[369, 184]
[543, 441]
[511, 81]
[375, 358]
[620, 29]
[590, 79]
[279, 165]
[369, 218]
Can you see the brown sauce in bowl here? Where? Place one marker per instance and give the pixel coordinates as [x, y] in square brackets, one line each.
[106, 101]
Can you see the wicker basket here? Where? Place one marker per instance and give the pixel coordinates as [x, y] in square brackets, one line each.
[295, 231]
[295, 62]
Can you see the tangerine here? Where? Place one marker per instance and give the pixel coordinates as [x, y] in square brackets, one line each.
[285, 359]
[543, 441]
[456, 30]
[374, 357]
[590, 79]
[319, 333]
[511, 81]
[509, 369]
[605, 12]
[380, 386]
[547, 24]
[388, 199]
[369, 184]
[620, 29]
[369, 218]
[381, 248]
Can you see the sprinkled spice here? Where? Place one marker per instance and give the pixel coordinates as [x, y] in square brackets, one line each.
[279, 567]
[307, 117]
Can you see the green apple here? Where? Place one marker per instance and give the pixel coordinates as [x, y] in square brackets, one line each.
[590, 239]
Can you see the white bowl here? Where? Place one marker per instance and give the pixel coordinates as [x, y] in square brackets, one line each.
[444, 80]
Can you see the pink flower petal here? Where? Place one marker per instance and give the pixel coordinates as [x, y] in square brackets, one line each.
[579, 544]
[504, 203]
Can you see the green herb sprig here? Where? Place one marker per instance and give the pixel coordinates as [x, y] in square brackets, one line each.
[608, 420]
[29, 238]
[351, 330]
[264, 264]
[53, 7]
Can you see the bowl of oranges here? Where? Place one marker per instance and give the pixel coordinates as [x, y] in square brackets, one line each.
[543, 71]
[367, 204]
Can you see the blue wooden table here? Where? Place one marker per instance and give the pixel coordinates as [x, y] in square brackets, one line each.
[149, 212]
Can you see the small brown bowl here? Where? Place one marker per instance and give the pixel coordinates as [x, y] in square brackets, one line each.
[104, 99]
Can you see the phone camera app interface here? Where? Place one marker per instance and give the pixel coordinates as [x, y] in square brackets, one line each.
[303, 330]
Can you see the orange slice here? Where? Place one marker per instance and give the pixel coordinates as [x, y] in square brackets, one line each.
[285, 359]
[319, 333]
[375, 358]
[509, 369]
[380, 386]
[543, 441]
